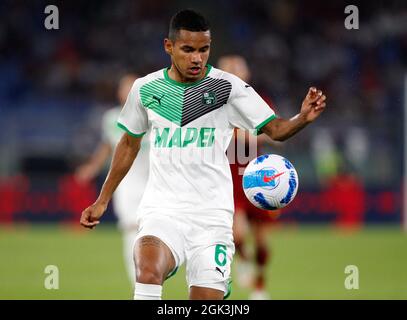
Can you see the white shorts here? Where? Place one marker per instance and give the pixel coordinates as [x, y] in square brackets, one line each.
[203, 242]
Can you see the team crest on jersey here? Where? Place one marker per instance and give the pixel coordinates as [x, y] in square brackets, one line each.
[209, 98]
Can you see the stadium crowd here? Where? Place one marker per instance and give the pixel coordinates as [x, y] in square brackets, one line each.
[54, 84]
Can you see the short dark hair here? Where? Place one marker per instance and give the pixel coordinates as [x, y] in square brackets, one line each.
[188, 20]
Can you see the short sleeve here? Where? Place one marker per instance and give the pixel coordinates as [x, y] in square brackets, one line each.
[247, 109]
[133, 117]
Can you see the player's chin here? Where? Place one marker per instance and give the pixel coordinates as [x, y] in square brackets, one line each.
[192, 77]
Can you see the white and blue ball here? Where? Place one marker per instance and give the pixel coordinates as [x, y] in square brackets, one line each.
[270, 182]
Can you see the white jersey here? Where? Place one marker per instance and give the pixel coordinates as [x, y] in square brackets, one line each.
[191, 127]
[128, 194]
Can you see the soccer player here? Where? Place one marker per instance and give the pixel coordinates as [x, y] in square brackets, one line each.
[128, 194]
[249, 275]
[186, 213]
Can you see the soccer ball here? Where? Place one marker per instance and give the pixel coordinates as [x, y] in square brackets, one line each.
[270, 182]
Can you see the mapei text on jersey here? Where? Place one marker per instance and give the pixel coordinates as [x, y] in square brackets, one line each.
[183, 137]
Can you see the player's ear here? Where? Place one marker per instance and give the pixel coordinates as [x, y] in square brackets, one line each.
[168, 46]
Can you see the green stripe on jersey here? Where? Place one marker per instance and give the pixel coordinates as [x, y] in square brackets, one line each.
[137, 135]
[261, 125]
[182, 103]
[164, 99]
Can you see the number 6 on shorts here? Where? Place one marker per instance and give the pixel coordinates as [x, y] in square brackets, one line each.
[220, 255]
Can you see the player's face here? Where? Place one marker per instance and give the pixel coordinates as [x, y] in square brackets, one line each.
[189, 53]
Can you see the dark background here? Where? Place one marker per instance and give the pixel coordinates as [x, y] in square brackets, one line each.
[55, 85]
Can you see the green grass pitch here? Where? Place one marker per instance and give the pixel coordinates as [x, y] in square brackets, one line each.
[308, 263]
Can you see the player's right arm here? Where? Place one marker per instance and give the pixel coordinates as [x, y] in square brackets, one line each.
[123, 157]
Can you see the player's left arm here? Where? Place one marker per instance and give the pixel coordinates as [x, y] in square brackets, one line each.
[312, 106]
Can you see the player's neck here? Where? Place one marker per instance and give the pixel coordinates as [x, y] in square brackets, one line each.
[175, 75]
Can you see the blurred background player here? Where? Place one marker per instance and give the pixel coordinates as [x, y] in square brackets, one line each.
[128, 194]
[250, 269]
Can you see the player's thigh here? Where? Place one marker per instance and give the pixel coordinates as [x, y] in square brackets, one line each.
[159, 245]
[153, 259]
[202, 293]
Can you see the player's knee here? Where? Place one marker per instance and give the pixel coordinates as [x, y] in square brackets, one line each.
[149, 274]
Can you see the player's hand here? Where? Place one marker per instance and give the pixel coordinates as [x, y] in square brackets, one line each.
[91, 215]
[313, 104]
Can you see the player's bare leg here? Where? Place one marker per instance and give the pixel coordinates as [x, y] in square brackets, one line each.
[239, 233]
[201, 293]
[262, 256]
[154, 261]
[244, 265]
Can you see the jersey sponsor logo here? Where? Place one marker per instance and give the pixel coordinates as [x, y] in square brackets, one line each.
[209, 98]
[183, 137]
